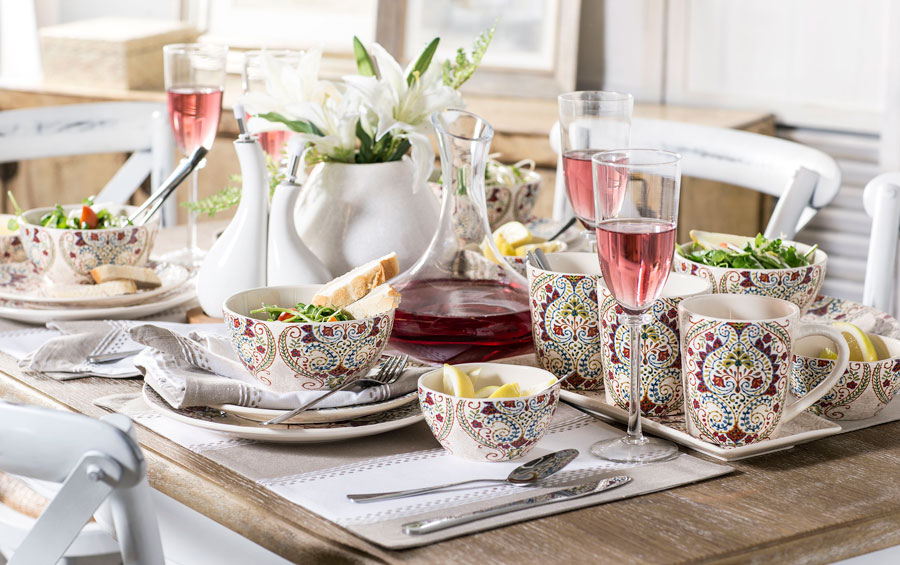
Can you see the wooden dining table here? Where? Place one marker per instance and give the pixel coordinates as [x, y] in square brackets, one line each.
[815, 503]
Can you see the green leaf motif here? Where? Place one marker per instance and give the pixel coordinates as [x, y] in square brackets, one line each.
[364, 64]
[422, 62]
[300, 126]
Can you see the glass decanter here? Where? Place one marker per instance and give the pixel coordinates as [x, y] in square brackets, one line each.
[462, 302]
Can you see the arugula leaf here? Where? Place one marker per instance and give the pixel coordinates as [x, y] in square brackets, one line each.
[364, 63]
[759, 253]
[423, 61]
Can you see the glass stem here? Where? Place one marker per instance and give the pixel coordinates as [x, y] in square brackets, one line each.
[634, 321]
[193, 191]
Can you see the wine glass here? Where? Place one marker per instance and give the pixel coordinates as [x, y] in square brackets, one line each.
[195, 80]
[590, 121]
[253, 80]
[636, 209]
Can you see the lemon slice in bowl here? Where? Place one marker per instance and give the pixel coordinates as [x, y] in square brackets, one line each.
[539, 387]
[486, 392]
[457, 383]
[514, 233]
[861, 347]
[509, 390]
[546, 247]
[714, 240]
[880, 347]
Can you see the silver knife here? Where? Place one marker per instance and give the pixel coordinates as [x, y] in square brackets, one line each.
[571, 493]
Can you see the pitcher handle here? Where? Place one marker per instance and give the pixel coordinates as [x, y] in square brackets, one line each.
[840, 365]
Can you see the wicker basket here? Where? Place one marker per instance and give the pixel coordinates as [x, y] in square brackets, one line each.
[110, 52]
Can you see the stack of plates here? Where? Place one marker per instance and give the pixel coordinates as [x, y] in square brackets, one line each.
[311, 426]
[25, 296]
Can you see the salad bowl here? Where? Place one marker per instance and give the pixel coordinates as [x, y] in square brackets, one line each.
[799, 285]
[66, 255]
[292, 356]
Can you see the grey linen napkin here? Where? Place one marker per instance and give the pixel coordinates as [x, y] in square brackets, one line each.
[65, 357]
[201, 369]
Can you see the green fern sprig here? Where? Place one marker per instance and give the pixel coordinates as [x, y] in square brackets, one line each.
[457, 72]
[230, 195]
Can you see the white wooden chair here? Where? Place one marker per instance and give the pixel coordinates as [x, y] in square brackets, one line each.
[96, 461]
[139, 128]
[804, 179]
[881, 199]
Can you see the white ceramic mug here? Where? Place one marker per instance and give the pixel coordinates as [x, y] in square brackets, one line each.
[736, 355]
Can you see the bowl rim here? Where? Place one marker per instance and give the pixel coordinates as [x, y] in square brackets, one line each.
[23, 217]
[820, 259]
[228, 310]
[420, 384]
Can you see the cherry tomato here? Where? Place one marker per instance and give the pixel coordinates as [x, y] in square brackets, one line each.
[89, 217]
[287, 315]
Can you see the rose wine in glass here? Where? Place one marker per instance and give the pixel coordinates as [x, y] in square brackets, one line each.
[589, 122]
[256, 92]
[636, 206]
[195, 80]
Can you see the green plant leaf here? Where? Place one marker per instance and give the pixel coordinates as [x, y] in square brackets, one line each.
[364, 63]
[295, 125]
[365, 144]
[400, 151]
[458, 72]
[422, 62]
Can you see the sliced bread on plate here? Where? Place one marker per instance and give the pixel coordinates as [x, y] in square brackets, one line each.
[108, 288]
[143, 277]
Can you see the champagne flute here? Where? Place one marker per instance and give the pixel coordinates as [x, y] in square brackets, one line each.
[195, 80]
[590, 121]
[636, 209]
[253, 80]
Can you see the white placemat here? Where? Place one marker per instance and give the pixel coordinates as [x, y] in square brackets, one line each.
[319, 476]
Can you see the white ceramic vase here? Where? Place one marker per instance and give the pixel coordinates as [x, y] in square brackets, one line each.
[349, 214]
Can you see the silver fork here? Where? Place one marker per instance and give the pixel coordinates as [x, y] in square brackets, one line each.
[390, 371]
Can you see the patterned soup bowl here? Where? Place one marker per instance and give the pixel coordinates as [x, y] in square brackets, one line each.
[66, 256]
[863, 389]
[489, 429]
[287, 357]
[799, 285]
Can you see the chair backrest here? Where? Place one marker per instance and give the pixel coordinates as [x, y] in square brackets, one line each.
[881, 199]
[139, 128]
[97, 461]
[804, 179]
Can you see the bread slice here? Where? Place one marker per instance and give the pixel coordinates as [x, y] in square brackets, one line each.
[142, 276]
[350, 287]
[108, 288]
[381, 299]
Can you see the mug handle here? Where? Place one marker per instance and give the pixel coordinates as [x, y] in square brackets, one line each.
[801, 404]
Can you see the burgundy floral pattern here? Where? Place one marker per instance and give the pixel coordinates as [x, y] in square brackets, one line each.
[861, 392]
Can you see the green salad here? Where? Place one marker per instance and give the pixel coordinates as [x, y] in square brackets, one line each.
[302, 313]
[757, 253]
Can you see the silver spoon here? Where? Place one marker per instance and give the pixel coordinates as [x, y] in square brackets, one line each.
[521, 476]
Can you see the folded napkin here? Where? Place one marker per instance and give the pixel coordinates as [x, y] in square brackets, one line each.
[201, 369]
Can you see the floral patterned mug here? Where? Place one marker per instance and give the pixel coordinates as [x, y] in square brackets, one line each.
[736, 358]
[564, 318]
[662, 393]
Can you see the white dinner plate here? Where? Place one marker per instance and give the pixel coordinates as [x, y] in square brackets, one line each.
[19, 282]
[314, 415]
[22, 312]
[221, 421]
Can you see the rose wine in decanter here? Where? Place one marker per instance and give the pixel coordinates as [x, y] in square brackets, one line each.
[458, 304]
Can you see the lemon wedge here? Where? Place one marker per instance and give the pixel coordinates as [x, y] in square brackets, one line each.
[457, 383]
[880, 347]
[509, 390]
[714, 240]
[514, 233]
[486, 392]
[827, 353]
[546, 247]
[861, 347]
[539, 387]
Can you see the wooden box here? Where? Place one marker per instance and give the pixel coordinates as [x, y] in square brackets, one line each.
[121, 53]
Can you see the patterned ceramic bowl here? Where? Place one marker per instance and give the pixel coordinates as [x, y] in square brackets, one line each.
[662, 392]
[496, 429]
[519, 263]
[799, 285]
[11, 249]
[507, 204]
[565, 320]
[302, 356]
[67, 256]
[863, 390]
